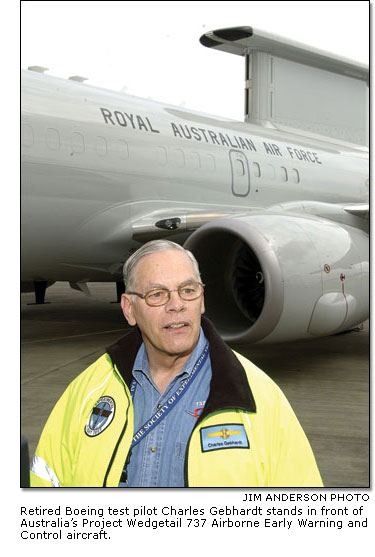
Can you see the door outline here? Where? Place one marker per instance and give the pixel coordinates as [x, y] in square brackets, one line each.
[237, 184]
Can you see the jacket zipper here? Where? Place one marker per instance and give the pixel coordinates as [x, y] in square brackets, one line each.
[118, 441]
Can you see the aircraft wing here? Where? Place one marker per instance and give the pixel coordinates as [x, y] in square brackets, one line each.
[293, 270]
[161, 224]
[360, 209]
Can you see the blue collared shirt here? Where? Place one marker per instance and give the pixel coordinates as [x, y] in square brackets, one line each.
[158, 460]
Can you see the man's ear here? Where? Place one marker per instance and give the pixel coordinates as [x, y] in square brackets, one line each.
[127, 309]
[203, 309]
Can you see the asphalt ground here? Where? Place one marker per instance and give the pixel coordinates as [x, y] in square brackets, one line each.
[325, 380]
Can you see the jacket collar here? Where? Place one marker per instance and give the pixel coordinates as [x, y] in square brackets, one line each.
[229, 386]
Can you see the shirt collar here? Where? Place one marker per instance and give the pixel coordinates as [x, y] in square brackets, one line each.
[141, 361]
[229, 386]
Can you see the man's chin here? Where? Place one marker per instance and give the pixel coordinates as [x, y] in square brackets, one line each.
[176, 345]
[172, 340]
[180, 348]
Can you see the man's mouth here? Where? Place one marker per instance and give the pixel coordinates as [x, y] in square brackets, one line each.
[176, 325]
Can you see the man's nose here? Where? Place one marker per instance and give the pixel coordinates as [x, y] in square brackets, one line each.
[175, 302]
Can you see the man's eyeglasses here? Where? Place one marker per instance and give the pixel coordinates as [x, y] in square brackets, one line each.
[161, 296]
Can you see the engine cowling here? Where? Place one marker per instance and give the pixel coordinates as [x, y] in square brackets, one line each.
[273, 277]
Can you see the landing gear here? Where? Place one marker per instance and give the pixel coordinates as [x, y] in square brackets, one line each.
[120, 290]
[40, 287]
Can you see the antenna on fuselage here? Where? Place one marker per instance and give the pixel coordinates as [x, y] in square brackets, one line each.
[39, 69]
[78, 78]
[291, 86]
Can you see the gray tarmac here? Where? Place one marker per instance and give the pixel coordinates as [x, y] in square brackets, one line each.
[325, 380]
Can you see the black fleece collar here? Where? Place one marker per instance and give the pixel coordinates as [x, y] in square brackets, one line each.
[229, 388]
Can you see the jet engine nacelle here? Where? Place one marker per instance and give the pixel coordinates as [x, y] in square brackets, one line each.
[281, 276]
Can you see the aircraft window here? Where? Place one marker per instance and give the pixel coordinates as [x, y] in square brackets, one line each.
[239, 167]
[162, 155]
[195, 160]
[270, 171]
[256, 169]
[295, 176]
[210, 160]
[101, 146]
[284, 174]
[123, 149]
[78, 142]
[53, 139]
[27, 135]
[179, 157]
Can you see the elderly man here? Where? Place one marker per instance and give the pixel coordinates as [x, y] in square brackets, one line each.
[169, 404]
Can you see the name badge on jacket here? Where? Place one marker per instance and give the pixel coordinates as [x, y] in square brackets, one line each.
[228, 436]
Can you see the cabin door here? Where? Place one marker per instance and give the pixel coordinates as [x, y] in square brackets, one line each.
[240, 173]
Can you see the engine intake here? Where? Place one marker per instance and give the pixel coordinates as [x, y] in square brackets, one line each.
[266, 276]
[244, 286]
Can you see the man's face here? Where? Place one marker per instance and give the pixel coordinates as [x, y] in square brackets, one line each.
[160, 325]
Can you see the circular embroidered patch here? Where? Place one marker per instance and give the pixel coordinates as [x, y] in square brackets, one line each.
[101, 416]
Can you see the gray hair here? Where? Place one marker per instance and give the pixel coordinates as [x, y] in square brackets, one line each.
[152, 247]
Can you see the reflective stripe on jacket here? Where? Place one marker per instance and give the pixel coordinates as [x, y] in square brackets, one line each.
[245, 437]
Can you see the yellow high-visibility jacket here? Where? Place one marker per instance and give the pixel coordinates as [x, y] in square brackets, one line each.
[246, 436]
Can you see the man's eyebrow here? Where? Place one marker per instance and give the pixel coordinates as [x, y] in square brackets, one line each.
[155, 285]
[188, 281]
[151, 286]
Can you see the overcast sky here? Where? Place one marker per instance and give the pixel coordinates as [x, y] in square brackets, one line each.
[152, 49]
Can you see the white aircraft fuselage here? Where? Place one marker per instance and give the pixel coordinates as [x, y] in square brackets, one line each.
[103, 172]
